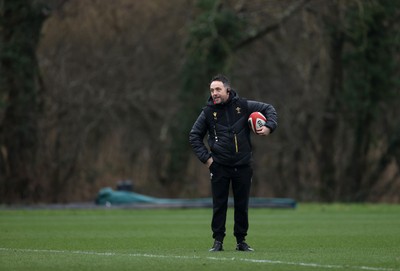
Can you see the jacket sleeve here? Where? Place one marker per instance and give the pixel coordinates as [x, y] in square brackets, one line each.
[196, 137]
[267, 110]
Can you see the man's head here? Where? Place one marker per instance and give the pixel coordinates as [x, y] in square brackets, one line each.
[219, 89]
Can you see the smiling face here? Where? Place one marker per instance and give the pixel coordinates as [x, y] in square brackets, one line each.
[219, 92]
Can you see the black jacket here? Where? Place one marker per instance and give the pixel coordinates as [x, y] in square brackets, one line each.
[228, 130]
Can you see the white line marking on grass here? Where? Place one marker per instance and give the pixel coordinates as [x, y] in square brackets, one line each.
[80, 252]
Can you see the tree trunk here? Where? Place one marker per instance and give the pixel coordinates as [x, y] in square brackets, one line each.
[330, 120]
[20, 84]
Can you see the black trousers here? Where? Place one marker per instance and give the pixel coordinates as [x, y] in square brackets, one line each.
[221, 177]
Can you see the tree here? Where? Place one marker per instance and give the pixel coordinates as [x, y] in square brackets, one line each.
[21, 96]
[21, 23]
[363, 77]
[215, 35]
[331, 113]
[370, 81]
[209, 49]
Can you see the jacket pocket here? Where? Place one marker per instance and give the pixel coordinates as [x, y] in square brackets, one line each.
[212, 167]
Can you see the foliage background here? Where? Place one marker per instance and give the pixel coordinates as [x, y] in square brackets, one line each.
[116, 86]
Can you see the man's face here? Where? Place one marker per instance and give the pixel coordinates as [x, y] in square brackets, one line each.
[219, 92]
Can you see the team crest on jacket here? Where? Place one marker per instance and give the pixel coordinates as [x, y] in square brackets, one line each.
[238, 110]
[215, 115]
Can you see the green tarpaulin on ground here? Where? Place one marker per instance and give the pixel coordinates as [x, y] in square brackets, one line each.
[108, 196]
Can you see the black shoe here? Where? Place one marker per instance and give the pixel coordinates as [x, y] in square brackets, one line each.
[217, 246]
[242, 246]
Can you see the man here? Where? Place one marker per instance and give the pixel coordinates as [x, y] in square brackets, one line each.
[225, 120]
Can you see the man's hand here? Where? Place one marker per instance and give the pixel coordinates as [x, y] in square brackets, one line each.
[263, 131]
[209, 162]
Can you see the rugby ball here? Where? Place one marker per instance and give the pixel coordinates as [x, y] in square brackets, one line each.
[256, 121]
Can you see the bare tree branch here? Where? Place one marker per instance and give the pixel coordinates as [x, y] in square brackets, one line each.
[269, 28]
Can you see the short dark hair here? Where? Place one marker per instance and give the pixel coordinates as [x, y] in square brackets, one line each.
[223, 79]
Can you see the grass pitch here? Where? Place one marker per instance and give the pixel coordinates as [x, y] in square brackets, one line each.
[311, 237]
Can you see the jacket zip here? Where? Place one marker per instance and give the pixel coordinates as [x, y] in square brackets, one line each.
[236, 142]
[234, 133]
